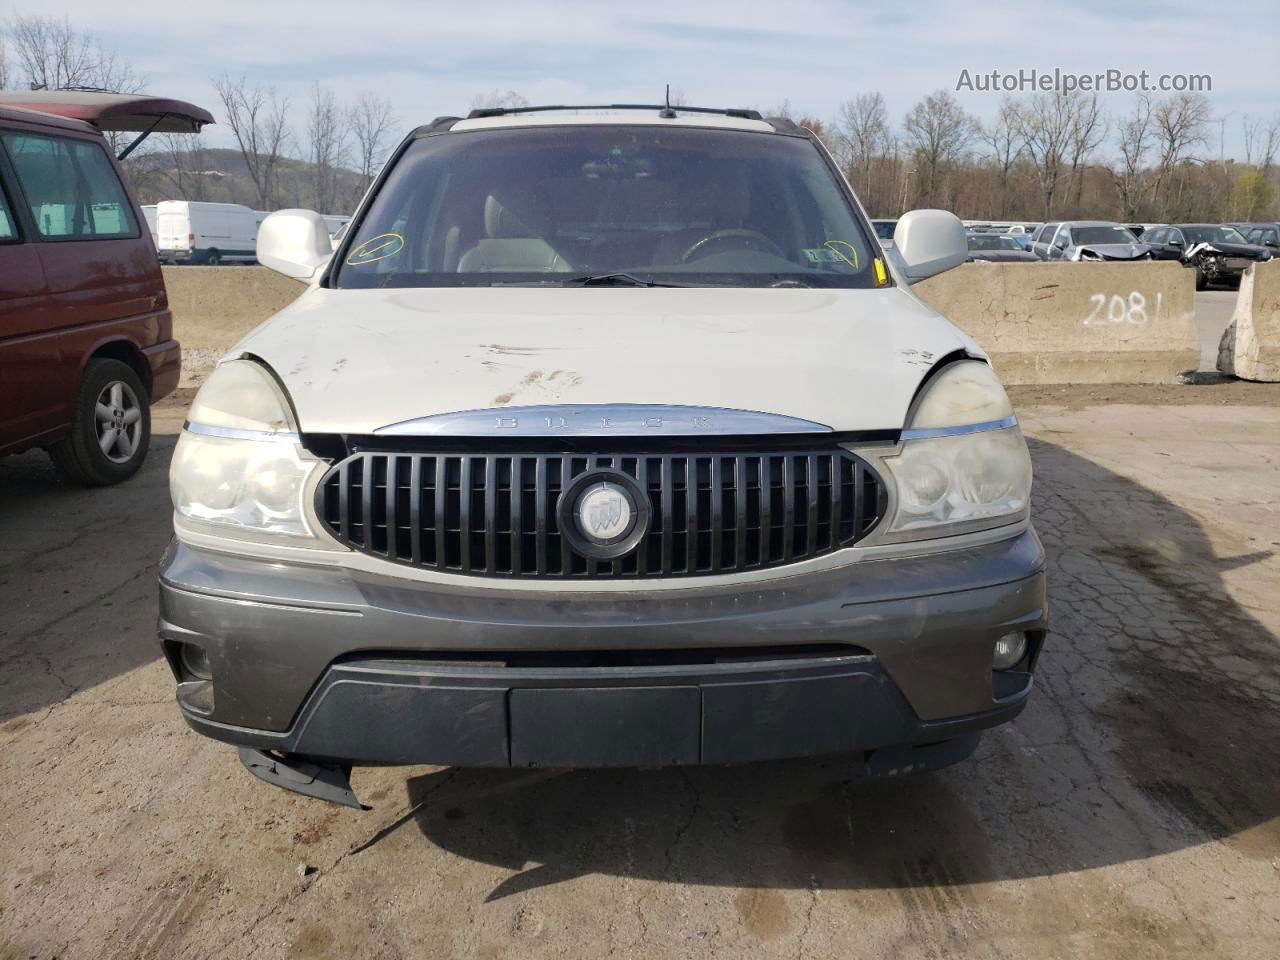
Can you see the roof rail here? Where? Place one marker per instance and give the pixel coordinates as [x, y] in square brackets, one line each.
[740, 113]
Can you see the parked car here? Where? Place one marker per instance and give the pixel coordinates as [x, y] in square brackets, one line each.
[208, 233]
[1261, 234]
[998, 249]
[1042, 238]
[1218, 253]
[884, 229]
[1095, 240]
[336, 225]
[570, 456]
[86, 337]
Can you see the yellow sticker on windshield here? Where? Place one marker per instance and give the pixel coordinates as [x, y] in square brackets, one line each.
[845, 251]
[379, 248]
[882, 276]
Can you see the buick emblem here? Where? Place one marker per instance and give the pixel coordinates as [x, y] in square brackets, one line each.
[604, 513]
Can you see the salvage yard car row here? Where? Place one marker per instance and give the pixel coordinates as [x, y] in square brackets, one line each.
[1219, 253]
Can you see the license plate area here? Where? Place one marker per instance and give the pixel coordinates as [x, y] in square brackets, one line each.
[605, 726]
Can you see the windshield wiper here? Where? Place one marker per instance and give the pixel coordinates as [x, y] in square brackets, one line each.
[616, 280]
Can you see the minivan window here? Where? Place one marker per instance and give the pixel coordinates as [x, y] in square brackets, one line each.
[7, 229]
[71, 187]
[558, 204]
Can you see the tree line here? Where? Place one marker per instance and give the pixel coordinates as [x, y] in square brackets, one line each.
[1056, 156]
[1040, 156]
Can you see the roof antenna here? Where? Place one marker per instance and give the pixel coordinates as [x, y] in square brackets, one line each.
[666, 113]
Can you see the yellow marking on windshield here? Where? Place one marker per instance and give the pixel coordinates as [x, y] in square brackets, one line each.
[835, 245]
[378, 248]
[882, 276]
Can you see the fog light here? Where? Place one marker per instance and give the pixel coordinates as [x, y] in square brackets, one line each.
[1010, 649]
[196, 662]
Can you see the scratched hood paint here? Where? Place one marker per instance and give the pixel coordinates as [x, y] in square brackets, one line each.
[357, 360]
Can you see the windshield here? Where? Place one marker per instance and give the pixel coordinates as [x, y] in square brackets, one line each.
[1213, 235]
[991, 242]
[560, 204]
[1101, 235]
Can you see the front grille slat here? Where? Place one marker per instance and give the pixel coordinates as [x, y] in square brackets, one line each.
[517, 516]
[740, 513]
[717, 509]
[498, 515]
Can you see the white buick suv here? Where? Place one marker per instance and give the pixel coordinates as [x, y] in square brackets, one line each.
[606, 436]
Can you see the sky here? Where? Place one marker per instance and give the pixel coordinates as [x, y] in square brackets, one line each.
[433, 58]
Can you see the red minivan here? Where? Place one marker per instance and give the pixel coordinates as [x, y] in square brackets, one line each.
[86, 336]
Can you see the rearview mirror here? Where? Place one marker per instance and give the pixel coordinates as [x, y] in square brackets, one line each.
[295, 243]
[929, 242]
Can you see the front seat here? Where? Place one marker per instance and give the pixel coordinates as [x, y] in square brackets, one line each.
[515, 226]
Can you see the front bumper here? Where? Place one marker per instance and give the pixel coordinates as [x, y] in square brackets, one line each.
[362, 669]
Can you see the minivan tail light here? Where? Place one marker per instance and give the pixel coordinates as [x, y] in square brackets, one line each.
[191, 239]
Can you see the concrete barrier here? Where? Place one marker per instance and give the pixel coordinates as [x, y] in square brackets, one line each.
[1250, 347]
[1041, 322]
[213, 307]
[1074, 322]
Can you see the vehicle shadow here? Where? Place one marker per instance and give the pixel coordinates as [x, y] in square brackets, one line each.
[77, 577]
[1155, 727]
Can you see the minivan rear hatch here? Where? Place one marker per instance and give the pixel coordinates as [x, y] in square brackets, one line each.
[114, 112]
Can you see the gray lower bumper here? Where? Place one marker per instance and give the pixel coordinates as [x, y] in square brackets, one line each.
[380, 670]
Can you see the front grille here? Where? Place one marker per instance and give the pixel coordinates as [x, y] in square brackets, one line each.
[496, 515]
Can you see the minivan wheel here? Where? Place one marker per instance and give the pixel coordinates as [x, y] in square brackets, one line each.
[112, 427]
[213, 258]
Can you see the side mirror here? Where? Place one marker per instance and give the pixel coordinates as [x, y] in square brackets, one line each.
[295, 243]
[1175, 242]
[929, 242]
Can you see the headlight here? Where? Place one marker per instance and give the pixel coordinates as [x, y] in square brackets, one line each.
[963, 464]
[239, 469]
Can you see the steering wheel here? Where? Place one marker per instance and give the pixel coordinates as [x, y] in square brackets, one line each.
[749, 237]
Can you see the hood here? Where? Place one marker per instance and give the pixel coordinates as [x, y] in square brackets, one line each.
[1112, 251]
[1251, 251]
[357, 360]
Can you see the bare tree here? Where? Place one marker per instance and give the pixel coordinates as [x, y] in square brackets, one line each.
[861, 134]
[51, 54]
[1180, 124]
[4, 64]
[1088, 130]
[938, 130]
[372, 123]
[329, 147]
[1135, 137]
[1005, 147]
[496, 98]
[1261, 141]
[185, 165]
[1044, 124]
[259, 120]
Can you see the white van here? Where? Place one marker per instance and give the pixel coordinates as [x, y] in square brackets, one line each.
[210, 233]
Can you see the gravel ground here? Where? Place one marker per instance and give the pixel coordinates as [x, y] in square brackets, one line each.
[1131, 811]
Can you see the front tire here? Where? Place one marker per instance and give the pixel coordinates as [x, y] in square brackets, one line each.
[111, 431]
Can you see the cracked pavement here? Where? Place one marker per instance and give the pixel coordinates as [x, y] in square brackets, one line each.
[1132, 810]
